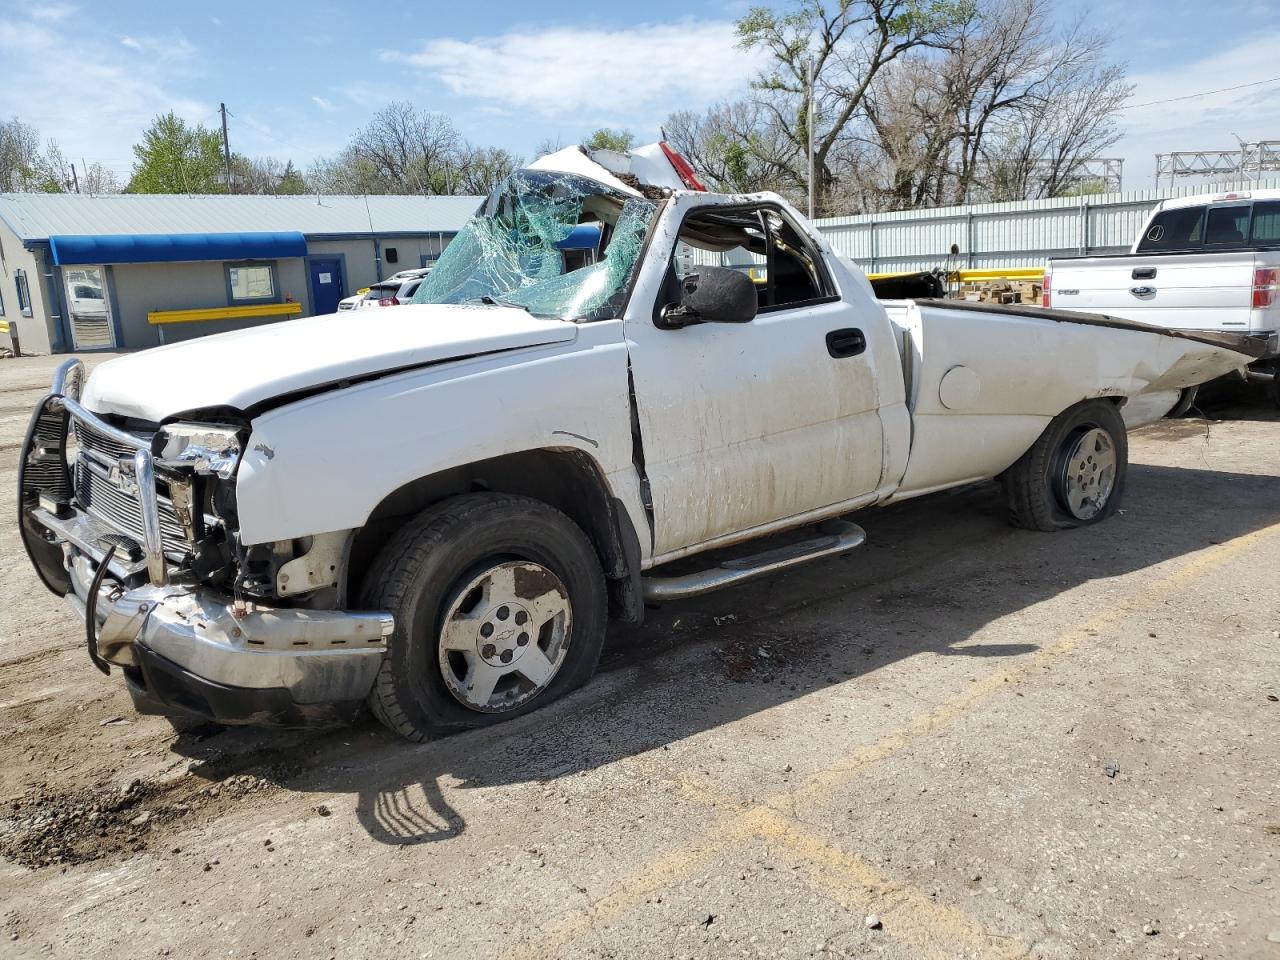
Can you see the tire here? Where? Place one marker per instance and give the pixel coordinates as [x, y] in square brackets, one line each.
[513, 567]
[1041, 494]
[1186, 400]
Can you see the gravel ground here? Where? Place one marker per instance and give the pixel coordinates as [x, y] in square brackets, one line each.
[961, 741]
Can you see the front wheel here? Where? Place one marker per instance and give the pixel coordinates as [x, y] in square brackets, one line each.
[500, 608]
[1074, 474]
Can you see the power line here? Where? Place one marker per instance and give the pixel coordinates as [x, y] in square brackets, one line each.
[1207, 93]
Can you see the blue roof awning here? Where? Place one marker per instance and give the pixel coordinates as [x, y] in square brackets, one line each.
[170, 247]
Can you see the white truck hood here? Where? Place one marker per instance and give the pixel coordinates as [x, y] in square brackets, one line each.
[246, 367]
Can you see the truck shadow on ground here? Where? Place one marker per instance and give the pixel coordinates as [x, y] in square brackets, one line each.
[934, 573]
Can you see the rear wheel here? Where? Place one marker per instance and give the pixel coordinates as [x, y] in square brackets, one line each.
[1273, 386]
[1074, 474]
[1186, 400]
[500, 608]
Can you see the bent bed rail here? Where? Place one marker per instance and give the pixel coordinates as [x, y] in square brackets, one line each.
[1243, 343]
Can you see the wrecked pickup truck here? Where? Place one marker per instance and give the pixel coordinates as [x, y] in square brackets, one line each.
[436, 511]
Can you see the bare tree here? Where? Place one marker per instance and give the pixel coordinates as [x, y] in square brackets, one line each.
[404, 150]
[1011, 108]
[848, 43]
[1048, 139]
[480, 169]
[25, 167]
[97, 179]
[400, 150]
[548, 146]
[738, 147]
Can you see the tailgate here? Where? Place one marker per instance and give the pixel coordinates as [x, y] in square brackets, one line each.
[1191, 292]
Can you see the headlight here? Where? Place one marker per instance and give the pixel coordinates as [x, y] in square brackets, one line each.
[208, 450]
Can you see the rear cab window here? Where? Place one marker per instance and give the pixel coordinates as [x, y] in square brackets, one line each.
[1178, 229]
[1227, 226]
[1266, 224]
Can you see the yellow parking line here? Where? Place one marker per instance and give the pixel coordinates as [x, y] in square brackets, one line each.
[916, 918]
[821, 782]
[908, 914]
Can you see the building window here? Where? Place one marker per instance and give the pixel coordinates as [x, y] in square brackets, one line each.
[24, 293]
[251, 282]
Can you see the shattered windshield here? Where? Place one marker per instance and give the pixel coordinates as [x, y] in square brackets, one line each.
[556, 244]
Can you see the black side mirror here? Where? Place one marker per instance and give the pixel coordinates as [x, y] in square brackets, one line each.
[713, 295]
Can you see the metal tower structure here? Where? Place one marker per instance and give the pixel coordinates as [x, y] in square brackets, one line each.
[1247, 162]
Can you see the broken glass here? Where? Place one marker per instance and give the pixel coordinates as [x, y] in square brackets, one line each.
[512, 251]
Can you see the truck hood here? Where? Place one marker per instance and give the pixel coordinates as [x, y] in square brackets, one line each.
[245, 368]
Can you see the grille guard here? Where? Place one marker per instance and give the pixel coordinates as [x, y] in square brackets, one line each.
[67, 381]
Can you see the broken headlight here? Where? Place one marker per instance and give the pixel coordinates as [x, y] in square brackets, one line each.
[205, 449]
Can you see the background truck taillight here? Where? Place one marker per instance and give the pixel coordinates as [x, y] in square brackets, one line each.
[1044, 290]
[1264, 287]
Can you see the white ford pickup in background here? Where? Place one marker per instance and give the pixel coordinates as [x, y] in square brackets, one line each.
[439, 517]
[1209, 262]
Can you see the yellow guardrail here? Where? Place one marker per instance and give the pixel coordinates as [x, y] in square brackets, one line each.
[160, 317]
[973, 276]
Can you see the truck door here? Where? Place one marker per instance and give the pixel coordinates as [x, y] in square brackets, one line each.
[745, 424]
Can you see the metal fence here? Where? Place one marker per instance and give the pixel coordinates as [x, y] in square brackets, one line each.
[1001, 235]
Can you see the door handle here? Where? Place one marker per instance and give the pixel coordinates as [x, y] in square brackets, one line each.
[846, 342]
[1144, 273]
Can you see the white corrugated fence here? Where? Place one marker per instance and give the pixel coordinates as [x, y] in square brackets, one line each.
[995, 235]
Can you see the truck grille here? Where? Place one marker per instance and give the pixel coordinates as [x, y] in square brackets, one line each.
[104, 500]
[90, 439]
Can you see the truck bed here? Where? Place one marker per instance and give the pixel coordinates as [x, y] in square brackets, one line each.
[983, 381]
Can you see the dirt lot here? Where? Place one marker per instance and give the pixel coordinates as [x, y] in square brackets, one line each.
[998, 743]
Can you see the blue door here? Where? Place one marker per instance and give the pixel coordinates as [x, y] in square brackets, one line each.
[326, 284]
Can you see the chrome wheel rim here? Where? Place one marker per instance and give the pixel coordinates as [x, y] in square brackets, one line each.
[504, 636]
[1088, 473]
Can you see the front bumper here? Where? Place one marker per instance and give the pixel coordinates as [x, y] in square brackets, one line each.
[186, 649]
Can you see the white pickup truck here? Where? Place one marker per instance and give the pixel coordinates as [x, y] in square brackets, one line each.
[438, 511]
[1209, 262]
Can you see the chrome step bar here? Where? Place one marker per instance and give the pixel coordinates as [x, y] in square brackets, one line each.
[836, 536]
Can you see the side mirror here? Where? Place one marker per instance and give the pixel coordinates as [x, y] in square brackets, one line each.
[713, 295]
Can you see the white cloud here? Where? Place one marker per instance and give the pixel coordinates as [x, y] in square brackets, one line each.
[94, 96]
[322, 103]
[642, 72]
[1201, 122]
[170, 48]
[51, 12]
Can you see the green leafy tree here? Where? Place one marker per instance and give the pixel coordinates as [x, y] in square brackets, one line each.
[291, 180]
[175, 157]
[608, 139]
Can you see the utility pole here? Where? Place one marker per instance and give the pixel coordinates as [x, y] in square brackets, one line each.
[226, 146]
[809, 130]
[74, 178]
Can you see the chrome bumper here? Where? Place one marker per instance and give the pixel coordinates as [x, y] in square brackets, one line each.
[230, 660]
[316, 655]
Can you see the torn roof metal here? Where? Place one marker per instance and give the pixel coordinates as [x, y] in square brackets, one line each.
[655, 165]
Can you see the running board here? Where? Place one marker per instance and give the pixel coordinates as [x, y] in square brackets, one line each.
[836, 536]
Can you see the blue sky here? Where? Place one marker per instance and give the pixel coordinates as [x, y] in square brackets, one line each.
[299, 77]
